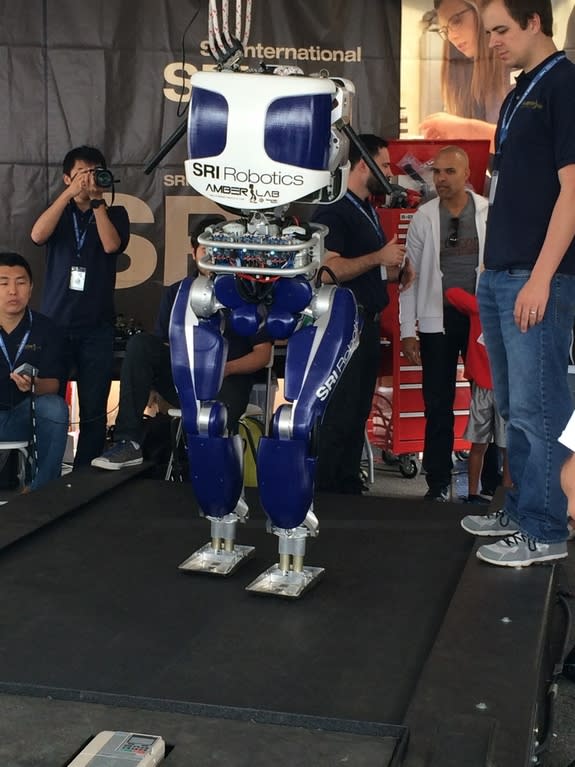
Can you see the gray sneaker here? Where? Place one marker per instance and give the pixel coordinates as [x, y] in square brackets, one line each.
[119, 456]
[497, 523]
[520, 550]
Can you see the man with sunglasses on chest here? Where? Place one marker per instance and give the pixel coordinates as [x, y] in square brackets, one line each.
[445, 244]
[84, 237]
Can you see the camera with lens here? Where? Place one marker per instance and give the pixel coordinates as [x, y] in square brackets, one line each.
[103, 177]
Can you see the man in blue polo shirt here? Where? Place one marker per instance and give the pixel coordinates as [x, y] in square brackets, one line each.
[527, 292]
[147, 365]
[84, 237]
[358, 254]
[30, 407]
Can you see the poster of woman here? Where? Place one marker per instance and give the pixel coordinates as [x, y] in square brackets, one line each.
[451, 84]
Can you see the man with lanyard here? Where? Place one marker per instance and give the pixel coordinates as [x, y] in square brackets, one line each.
[527, 292]
[445, 243]
[361, 259]
[30, 408]
[83, 238]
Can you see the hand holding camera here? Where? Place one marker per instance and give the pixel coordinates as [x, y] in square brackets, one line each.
[92, 181]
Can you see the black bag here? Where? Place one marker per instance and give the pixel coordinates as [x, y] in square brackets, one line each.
[157, 446]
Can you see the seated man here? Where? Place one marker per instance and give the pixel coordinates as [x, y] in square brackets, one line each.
[30, 408]
[147, 366]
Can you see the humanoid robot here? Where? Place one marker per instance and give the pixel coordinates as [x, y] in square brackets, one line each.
[258, 141]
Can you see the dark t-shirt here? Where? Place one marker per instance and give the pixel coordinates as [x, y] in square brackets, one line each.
[93, 306]
[353, 233]
[540, 141]
[43, 349]
[238, 346]
[458, 249]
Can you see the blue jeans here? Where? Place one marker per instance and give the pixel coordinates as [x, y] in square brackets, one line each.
[51, 433]
[531, 390]
[91, 356]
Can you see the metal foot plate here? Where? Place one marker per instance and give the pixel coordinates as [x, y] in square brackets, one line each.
[279, 583]
[207, 560]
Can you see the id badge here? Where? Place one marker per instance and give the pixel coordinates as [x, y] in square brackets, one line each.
[77, 278]
[493, 186]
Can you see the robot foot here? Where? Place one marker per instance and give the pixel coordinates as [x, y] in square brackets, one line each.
[222, 556]
[289, 578]
[286, 583]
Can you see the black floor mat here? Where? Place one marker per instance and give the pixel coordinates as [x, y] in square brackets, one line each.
[95, 602]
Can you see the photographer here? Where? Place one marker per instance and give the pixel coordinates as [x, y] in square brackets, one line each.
[84, 237]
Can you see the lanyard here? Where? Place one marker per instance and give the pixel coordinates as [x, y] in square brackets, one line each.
[23, 343]
[371, 216]
[80, 236]
[506, 121]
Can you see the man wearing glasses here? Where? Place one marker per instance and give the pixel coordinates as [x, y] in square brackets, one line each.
[445, 245]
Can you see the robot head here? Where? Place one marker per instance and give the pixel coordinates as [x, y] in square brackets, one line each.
[259, 141]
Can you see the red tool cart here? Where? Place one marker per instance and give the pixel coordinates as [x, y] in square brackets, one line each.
[397, 423]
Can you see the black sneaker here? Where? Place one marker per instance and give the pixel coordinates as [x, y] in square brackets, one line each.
[478, 500]
[119, 456]
[439, 494]
[351, 486]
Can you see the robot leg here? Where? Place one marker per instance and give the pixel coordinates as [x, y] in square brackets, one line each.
[198, 353]
[316, 357]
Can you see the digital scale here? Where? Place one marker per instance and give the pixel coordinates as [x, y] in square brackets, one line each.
[121, 749]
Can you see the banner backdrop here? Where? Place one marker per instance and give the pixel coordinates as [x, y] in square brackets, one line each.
[439, 76]
[115, 74]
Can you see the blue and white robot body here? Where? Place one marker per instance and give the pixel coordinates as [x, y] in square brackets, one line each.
[256, 144]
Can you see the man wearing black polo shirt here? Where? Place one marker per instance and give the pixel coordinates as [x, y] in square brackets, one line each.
[147, 365]
[30, 408]
[527, 292]
[83, 238]
[361, 259]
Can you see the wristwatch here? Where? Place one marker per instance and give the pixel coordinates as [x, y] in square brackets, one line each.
[97, 203]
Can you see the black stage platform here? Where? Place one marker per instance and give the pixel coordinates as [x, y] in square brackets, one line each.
[407, 634]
